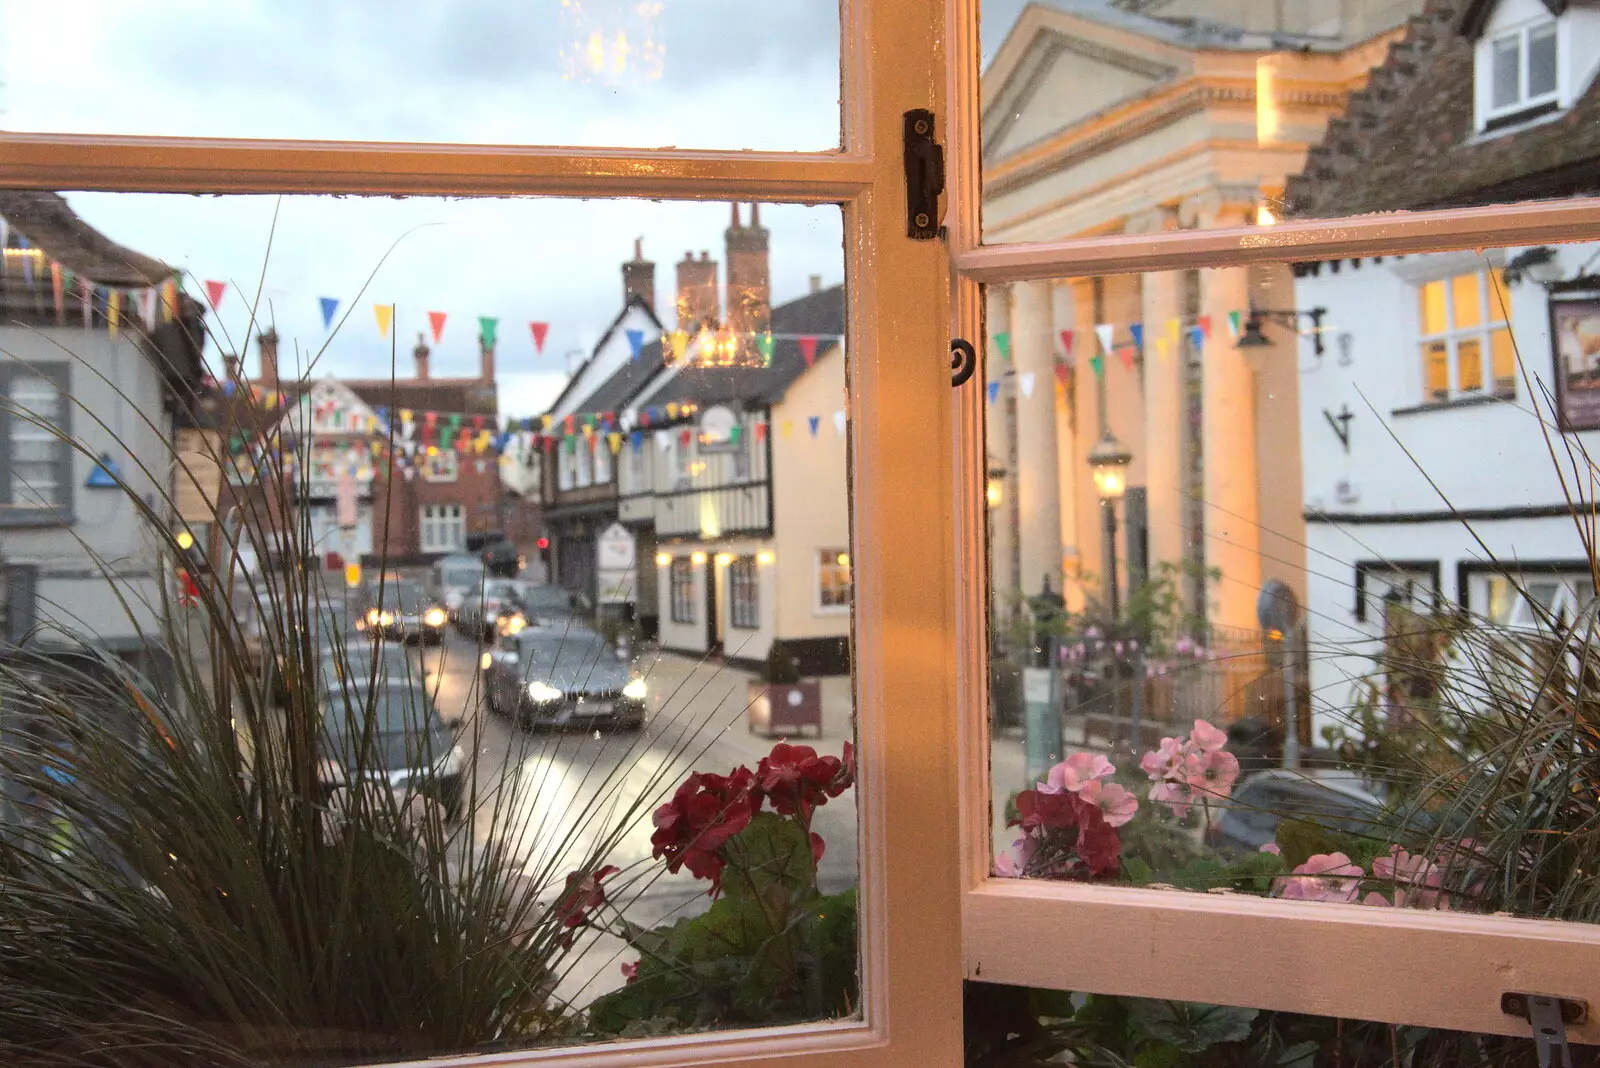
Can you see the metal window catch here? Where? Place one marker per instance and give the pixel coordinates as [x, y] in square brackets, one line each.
[924, 160]
[963, 361]
[1550, 1017]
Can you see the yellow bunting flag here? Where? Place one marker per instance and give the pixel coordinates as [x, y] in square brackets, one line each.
[680, 344]
[786, 426]
[1163, 350]
[672, 410]
[614, 440]
[547, 421]
[113, 310]
[169, 300]
[1172, 331]
[385, 317]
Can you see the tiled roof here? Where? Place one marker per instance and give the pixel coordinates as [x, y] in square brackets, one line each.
[615, 393]
[471, 396]
[1407, 139]
[633, 301]
[50, 225]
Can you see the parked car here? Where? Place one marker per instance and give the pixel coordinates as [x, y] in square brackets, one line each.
[407, 613]
[542, 678]
[547, 605]
[455, 577]
[1335, 799]
[483, 609]
[407, 748]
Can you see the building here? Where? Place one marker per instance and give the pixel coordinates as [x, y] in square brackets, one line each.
[1136, 117]
[1428, 472]
[100, 360]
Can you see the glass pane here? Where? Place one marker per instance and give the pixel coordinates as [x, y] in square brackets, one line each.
[1136, 117]
[1499, 297]
[1432, 301]
[1542, 60]
[421, 712]
[1465, 301]
[1507, 71]
[1469, 364]
[1242, 636]
[626, 73]
[1503, 356]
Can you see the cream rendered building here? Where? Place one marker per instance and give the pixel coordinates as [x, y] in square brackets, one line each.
[1136, 117]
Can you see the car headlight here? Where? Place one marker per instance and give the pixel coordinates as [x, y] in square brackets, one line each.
[514, 624]
[372, 615]
[634, 690]
[543, 691]
[385, 618]
[484, 661]
[434, 617]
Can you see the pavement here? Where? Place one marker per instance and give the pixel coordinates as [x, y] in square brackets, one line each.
[569, 794]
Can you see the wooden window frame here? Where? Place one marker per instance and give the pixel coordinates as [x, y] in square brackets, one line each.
[744, 593]
[682, 601]
[1436, 969]
[20, 508]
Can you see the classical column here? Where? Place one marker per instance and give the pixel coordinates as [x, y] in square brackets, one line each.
[999, 436]
[1163, 401]
[1038, 482]
[1228, 439]
[1069, 464]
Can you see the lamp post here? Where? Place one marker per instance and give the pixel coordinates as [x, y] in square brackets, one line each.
[1108, 462]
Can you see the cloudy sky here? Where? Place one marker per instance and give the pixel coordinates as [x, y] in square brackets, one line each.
[693, 73]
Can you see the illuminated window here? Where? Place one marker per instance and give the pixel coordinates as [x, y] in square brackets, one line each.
[1464, 321]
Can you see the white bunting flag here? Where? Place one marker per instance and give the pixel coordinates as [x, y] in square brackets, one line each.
[663, 440]
[1027, 384]
[839, 421]
[1106, 333]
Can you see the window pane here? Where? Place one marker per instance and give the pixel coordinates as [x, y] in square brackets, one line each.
[1499, 297]
[1465, 301]
[1469, 365]
[1234, 605]
[1506, 77]
[1503, 357]
[1137, 117]
[1434, 319]
[545, 669]
[1542, 61]
[627, 73]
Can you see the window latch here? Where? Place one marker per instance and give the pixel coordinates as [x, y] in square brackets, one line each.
[924, 160]
[1549, 1017]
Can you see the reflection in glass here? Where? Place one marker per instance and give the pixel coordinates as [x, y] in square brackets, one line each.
[347, 716]
[1315, 642]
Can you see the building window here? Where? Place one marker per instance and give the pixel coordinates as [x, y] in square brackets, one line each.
[602, 460]
[444, 528]
[680, 579]
[568, 475]
[1518, 71]
[744, 594]
[440, 466]
[833, 580]
[36, 462]
[585, 450]
[1465, 337]
[683, 461]
[1531, 598]
[638, 469]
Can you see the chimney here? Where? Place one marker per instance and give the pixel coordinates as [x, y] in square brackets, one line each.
[639, 276]
[421, 353]
[697, 292]
[486, 360]
[267, 343]
[816, 283]
[749, 282]
[230, 368]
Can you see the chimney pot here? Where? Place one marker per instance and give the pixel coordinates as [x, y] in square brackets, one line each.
[486, 360]
[639, 277]
[267, 344]
[704, 256]
[230, 367]
[421, 353]
[735, 206]
[816, 283]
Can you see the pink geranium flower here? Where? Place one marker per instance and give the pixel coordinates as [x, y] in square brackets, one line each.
[1271, 847]
[1324, 877]
[1213, 773]
[1117, 805]
[1076, 772]
[1416, 879]
[1164, 759]
[1206, 738]
[1175, 795]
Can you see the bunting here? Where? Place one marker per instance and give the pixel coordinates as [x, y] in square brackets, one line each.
[215, 291]
[436, 323]
[635, 342]
[994, 392]
[1097, 364]
[540, 332]
[1234, 321]
[814, 421]
[1002, 341]
[1136, 330]
[1107, 333]
[488, 326]
[808, 349]
[1026, 382]
[840, 418]
[385, 316]
[1066, 343]
[329, 306]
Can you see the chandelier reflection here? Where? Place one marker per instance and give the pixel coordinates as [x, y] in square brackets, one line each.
[612, 41]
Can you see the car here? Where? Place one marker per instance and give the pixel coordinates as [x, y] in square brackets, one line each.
[454, 577]
[545, 679]
[389, 735]
[482, 612]
[404, 611]
[547, 604]
[1335, 799]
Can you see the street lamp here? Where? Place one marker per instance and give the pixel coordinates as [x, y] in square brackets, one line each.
[994, 490]
[1108, 462]
[1251, 336]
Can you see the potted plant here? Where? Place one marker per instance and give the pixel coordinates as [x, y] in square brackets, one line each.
[781, 701]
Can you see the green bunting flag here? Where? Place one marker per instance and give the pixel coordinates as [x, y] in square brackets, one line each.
[1233, 324]
[764, 342]
[1099, 365]
[487, 325]
[1003, 343]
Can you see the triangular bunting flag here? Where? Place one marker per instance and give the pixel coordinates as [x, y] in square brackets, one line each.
[1204, 323]
[814, 421]
[994, 392]
[1234, 319]
[1126, 353]
[113, 310]
[385, 316]
[786, 427]
[1063, 373]
[330, 305]
[1174, 331]
[1197, 337]
[808, 349]
[1066, 343]
[663, 440]
[839, 420]
[1136, 331]
[680, 345]
[764, 343]
[215, 291]
[540, 331]
[1163, 350]
[761, 433]
[1026, 382]
[105, 474]
[614, 440]
[637, 440]
[1003, 343]
[1107, 333]
[488, 326]
[1098, 365]
[635, 342]
[147, 307]
[436, 321]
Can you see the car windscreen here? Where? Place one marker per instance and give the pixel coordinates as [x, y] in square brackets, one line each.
[354, 666]
[407, 596]
[547, 600]
[404, 729]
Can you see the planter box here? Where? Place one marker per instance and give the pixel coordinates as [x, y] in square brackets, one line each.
[786, 709]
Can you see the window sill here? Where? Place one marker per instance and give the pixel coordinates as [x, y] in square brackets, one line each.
[1512, 121]
[14, 517]
[1451, 405]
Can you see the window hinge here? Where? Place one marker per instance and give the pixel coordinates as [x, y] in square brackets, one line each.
[924, 159]
[1549, 1016]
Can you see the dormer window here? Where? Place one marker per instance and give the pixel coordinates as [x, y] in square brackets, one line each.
[1522, 70]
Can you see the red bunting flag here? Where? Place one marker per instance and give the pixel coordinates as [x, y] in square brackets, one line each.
[1204, 323]
[477, 422]
[1066, 343]
[215, 292]
[539, 332]
[808, 349]
[1125, 354]
[686, 437]
[436, 320]
[571, 425]
[430, 418]
[761, 433]
[1063, 373]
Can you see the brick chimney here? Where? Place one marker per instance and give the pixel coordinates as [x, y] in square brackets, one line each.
[267, 343]
[749, 279]
[421, 353]
[230, 368]
[486, 360]
[639, 276]
[698, 300]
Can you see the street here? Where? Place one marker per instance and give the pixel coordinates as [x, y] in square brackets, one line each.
[565, 792]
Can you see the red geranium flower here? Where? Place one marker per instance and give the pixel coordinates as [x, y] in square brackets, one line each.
[796, 780]
[706, 811]
[584, 892]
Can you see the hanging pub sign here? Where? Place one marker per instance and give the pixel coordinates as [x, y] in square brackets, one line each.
[1575, 336]
[719, 429]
